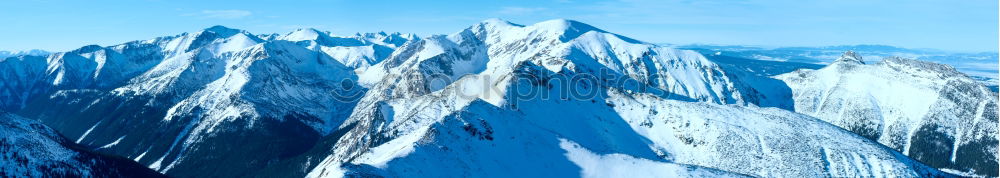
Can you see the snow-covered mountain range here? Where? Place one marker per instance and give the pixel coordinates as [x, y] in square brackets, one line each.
[185, 94]
[926, 110]
[982, 66]
[558, 97]
[33, 52]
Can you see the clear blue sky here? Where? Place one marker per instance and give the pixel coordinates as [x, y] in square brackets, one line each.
[957, 25]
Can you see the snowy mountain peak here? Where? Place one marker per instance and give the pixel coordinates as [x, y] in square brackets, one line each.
[494, 24]
[219, 38]
[394, 39]
[304, 34]
[497, 21]
[453, 105]
[569, 29]
[926, 68]
[566, 24]
[850, 56]
[87, 49]
[909, 105]
[222, 30]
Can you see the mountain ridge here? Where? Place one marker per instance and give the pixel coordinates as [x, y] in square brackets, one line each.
[313, 104]
[952, 108]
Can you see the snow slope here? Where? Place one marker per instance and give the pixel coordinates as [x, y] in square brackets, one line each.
[493, 47]
[484, 56]
[23, 79]
[30, 149]
[928, 111]
[169, 102]
[441, 135]
[762, 142]
[309, 103]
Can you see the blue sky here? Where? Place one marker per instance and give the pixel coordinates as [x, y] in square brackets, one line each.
[956, 25]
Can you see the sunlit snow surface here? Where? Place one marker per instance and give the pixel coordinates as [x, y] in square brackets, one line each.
[491, 100]
[981, 66]
[925, 110]
[430, 131]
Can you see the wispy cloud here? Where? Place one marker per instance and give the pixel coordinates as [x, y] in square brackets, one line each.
[520, 10]
[221, 14]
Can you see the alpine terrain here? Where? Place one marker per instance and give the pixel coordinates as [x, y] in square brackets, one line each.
[929, 111]
[30, 149]
[495, 99]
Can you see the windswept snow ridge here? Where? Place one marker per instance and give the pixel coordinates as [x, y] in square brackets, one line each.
[555, 98]
[192, 94]
[418, 135]
[928, 111]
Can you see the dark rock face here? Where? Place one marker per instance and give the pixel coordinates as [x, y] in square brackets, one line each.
[240, 148]
[30, 149]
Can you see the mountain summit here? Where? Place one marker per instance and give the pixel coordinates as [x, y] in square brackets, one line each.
[554, 98]
[850, 57]
[925, 110]
[222, 30]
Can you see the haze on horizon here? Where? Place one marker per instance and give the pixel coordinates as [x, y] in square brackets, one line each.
[962, 26]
